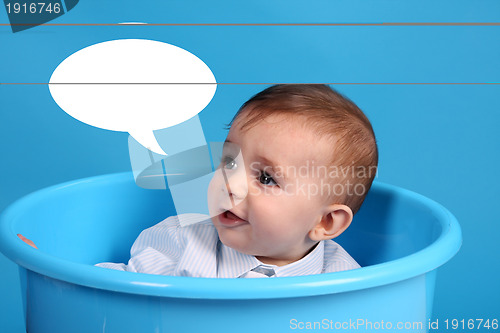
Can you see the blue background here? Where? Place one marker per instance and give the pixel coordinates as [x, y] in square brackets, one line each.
[440, 140]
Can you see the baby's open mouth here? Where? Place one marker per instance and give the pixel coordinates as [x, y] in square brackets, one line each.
[229, 219]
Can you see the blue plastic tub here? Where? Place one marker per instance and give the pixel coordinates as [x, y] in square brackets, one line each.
[399, 237]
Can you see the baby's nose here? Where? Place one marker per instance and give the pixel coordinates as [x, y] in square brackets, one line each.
[237, 186]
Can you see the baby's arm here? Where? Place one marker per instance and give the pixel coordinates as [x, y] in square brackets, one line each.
[155, 251]
[165, 248]
[169, 249]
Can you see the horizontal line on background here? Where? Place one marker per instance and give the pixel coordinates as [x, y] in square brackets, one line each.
[256, 83]
[265, 24]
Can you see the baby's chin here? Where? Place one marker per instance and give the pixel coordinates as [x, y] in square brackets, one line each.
[231, 237]
[237, 247]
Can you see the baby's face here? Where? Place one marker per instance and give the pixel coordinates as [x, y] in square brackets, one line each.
[274, 196]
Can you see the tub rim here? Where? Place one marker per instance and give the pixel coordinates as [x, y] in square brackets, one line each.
[436, 254]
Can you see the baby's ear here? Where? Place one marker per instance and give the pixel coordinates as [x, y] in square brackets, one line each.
[334, 222]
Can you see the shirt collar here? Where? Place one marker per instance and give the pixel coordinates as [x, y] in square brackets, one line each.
[233, 264]
[311, 264]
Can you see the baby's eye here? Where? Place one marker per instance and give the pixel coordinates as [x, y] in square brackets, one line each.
[266, 179]
[229, 163]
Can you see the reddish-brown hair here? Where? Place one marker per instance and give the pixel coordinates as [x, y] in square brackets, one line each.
[331, 115]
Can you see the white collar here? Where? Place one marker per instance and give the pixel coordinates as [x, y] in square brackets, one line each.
[233, 264]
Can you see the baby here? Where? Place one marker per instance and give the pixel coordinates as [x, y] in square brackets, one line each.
[296, 166]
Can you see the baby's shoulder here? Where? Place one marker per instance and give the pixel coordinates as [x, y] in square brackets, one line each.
[336, 258]
[178, 232]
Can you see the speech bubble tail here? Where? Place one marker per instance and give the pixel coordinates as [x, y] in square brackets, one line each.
[148, 140]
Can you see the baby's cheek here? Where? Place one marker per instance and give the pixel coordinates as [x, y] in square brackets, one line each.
[271, 227]
[212, 187]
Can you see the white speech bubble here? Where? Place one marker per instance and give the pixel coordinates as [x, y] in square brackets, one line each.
[133, 85]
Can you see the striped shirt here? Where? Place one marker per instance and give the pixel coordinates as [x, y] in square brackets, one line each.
[196, 251]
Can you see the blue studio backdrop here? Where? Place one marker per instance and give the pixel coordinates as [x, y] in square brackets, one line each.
[431, 91]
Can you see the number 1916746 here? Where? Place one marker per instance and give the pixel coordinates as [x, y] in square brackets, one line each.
[471, 324]
[33, 8]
